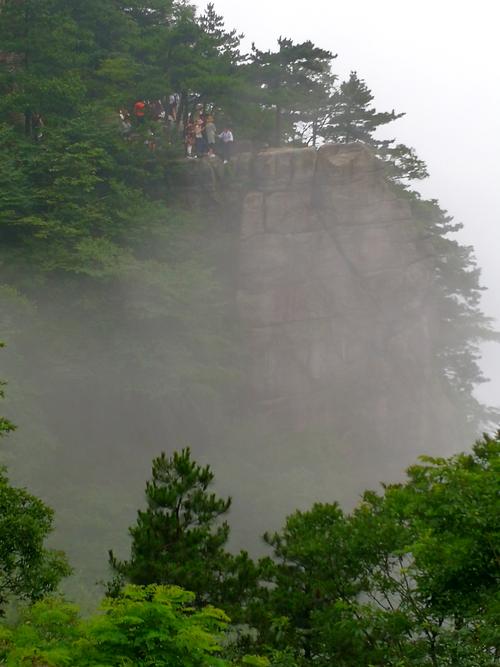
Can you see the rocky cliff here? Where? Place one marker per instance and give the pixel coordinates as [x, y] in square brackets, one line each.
[337, 297]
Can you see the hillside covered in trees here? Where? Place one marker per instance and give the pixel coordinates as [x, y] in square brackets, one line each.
[123, 339]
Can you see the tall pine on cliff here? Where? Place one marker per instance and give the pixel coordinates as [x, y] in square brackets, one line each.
[351, 117]
[348, 115]
[462, 324]
[289, 80]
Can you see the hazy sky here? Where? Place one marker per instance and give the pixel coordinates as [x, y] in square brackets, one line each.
[438, 61]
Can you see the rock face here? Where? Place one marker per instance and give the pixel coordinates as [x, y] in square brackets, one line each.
[337, 297]
[336, 292]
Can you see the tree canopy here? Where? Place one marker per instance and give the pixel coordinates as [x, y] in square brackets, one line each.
[177, 539]
[410, 576]
[153, 625]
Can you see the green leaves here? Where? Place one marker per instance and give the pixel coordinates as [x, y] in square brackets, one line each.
[411, 576]
[145, 626]
[177, 539]
[289, 80]
[351, 117]
[28, 570]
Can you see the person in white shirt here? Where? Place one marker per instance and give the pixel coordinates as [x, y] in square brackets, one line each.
[227, 140]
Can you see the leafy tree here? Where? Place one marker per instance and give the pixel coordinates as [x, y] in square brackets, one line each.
[450, 511]
[177, 539]
[155, 625]
[288, 80]
[412, 576]
[48, 77]
[74, 186]
[169, 634]
[312, 567]
[203, 61]
[28, 570]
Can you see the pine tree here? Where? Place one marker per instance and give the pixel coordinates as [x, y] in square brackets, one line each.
[462, 324]
[226, 42]
[349, 116]
[315, 113]
[352, 118]
[288, 80]
[178, 539]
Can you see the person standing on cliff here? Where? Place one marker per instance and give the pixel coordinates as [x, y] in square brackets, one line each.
[227, 140]
[199, 138]
[140, 112]
[189, 137]
[211, 135]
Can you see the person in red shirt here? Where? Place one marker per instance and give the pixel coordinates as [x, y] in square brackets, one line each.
[140, 111]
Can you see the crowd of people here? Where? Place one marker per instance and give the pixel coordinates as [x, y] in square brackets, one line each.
[161, 118]
[201, 137]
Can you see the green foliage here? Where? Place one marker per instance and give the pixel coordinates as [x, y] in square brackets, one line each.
[176, 539]
[352, 118]
[28, 570]
[47, 633]
[289, 81]
[412, 576]
[345, 114]
[153, 625]
[450, 510]
[156, 625]
[462, 325]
